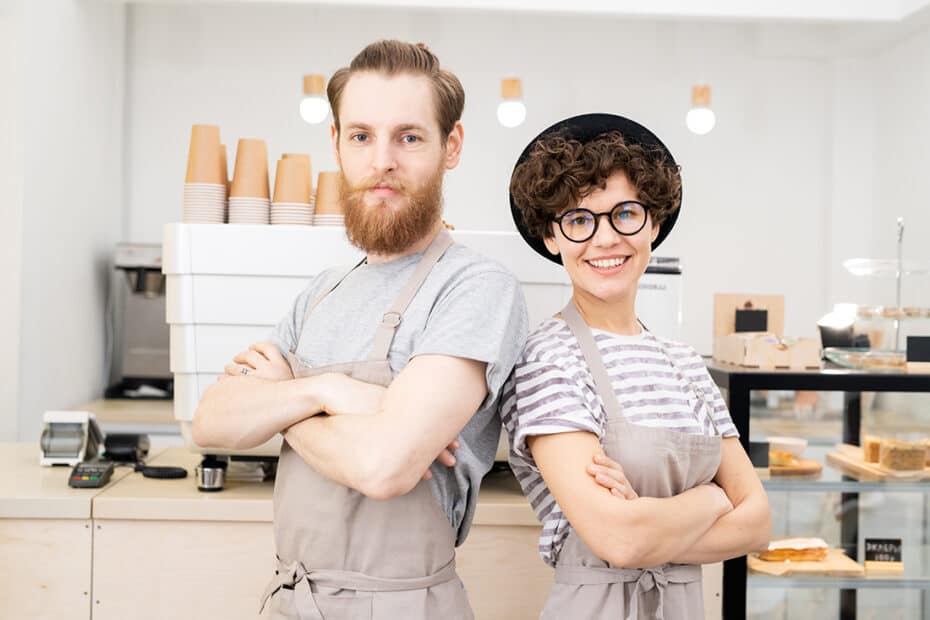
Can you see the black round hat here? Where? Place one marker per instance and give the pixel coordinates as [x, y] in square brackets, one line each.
[585, 128]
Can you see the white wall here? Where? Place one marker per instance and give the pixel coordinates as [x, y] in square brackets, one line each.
[756, 189]
[900, 159]
[881, 130]
[73, 65]
[11, 209]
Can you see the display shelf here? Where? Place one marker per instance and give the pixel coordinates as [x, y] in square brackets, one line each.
[840, 583]
[737, 384]
[885, 267]
[835, 481]
[916, 576]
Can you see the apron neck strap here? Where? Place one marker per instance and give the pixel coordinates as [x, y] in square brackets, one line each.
[384, 335]
[322, 296]
[592, 356]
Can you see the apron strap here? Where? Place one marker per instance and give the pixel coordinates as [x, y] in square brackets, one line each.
[297, 576]
[645, 579]
[592, 356]
[322, 296]
[384, 335]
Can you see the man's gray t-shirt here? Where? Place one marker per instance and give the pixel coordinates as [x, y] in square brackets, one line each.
[468, 307]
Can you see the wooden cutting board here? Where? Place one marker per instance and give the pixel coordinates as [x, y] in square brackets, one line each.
[801, 467]
[836, 564]
[849, 458]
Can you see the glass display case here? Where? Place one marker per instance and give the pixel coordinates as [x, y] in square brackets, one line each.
[842, 505]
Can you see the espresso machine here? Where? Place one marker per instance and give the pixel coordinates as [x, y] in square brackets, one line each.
[139, 350]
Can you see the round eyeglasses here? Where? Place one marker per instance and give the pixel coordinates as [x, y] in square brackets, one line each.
[579, 225]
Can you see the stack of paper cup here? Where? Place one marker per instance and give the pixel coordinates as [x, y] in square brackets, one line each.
[328, 210]
[305, 157]
[206, 181]
[249, 196]
[292, 192]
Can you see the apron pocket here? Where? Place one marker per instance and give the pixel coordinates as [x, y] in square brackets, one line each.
[283, 606]
[344, 607]
[446, 601]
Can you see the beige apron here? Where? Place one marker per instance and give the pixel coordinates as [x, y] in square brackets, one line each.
[658, 463]
[342, 555]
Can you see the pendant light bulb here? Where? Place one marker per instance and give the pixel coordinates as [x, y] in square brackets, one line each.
[700, 118]
[511, 111]
[314, 108]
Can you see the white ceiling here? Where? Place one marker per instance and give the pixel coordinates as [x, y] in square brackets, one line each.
[742, 10]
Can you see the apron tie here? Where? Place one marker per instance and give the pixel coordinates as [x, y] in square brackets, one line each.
[649, 578]
[293, 575]
[297, 576]
[645, 579]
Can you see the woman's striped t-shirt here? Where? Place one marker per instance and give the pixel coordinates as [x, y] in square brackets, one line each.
[552, 391]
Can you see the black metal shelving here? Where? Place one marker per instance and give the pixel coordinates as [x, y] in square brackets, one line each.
[737, 382]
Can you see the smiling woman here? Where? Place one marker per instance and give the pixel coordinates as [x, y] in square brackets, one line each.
[619, 437]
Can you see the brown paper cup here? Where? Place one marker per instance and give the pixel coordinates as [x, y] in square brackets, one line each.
[250, 178]
[305, 157]
[291, 183]
[224, 168]
[203, 155]
[328, 201]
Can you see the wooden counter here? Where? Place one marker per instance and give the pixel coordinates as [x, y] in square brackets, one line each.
[138, 497]
[144, 548]
[194, 541]
[500, 501]
[45, 537]
[30, 491]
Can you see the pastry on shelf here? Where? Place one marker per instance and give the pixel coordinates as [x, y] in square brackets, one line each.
[781, 458]
[796, 550]
[871, 448]
[899, 455]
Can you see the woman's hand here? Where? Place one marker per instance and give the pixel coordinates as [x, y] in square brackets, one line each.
[609, 474]
[262, 360]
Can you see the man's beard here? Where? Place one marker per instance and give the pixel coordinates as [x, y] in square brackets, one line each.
[383, 229]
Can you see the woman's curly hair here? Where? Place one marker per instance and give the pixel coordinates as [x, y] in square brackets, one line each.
[560, 171]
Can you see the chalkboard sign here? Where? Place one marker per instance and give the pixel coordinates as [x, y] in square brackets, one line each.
[882, 549]
[752, 321]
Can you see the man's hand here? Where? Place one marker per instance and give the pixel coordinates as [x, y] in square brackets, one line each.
[445, 457]
[262, 360]
[609, 474]
[340, 394]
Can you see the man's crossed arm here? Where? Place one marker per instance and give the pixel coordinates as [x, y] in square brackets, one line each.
[378, 441]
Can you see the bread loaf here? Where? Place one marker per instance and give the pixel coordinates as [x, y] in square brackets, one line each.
[902, 455]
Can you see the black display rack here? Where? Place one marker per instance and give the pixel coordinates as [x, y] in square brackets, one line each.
[737, 382]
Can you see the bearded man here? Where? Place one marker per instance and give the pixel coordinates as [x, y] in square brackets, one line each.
[404, 355]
